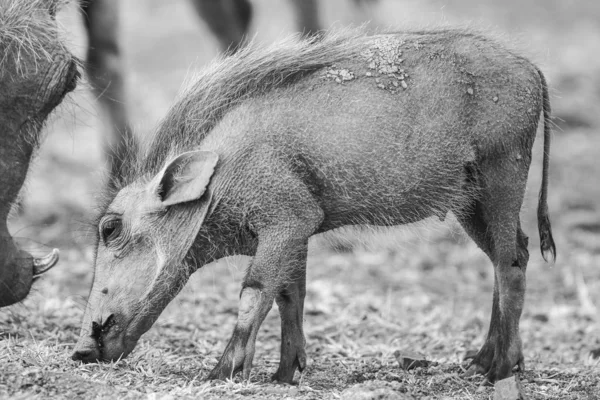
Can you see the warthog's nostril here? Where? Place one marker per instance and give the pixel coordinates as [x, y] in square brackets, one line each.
[102, 328]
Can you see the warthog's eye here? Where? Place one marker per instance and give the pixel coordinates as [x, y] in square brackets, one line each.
[110, 230]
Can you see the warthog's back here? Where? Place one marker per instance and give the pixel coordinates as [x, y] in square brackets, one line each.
[389, 136]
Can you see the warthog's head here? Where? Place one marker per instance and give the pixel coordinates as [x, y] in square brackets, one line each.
[36, 71]
[144, 236]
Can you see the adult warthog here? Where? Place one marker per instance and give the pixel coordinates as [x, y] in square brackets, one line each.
[272, 146]
[36, 71]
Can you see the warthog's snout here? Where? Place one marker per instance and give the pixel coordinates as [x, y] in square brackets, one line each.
[87, 350]
[107, 341]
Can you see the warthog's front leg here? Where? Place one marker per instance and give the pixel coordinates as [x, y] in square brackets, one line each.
[239, 353]
[278, 256]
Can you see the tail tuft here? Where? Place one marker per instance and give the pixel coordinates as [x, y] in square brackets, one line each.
[547, 246]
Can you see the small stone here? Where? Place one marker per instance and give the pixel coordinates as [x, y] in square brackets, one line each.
[495, 99]
[403, 84]
[381, 86]
[377, 80]
[508, 389]
[409, 361]
[369, 74]
[470, 91]
[395, 83]
[338, 80]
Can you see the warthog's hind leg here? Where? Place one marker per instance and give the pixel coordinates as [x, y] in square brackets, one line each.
[494, 225]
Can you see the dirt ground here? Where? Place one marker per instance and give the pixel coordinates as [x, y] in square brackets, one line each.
[423, 289]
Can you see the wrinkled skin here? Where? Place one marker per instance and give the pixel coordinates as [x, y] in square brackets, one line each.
[29, 90]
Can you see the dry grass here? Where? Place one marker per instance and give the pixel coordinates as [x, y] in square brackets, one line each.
[424, 289]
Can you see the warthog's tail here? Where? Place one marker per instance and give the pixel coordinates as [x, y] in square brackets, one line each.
[546, 241]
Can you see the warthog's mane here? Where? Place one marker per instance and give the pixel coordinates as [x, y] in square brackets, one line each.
[230, 80]
[225, 83]
[23, 33]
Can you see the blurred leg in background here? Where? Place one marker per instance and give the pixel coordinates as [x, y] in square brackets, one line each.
[228, 20]
[105, 70]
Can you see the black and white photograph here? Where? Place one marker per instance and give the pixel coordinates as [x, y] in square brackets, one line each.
[300, 199]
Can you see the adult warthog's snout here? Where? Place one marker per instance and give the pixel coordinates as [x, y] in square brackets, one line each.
[106, 340]
[18, 270]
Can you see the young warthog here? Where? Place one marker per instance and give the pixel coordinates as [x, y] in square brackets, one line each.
[270, 147]
[36, 71]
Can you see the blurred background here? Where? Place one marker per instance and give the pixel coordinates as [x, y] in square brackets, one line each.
[425, 287]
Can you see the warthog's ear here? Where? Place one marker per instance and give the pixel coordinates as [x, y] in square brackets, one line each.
[185, 178]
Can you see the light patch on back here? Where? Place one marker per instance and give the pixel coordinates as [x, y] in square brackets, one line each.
[339, 75]
[385, 64]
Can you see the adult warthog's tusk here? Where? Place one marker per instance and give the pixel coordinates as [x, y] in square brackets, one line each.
[41, 265]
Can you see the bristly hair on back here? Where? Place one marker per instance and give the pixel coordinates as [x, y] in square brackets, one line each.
[23, 33]
[225, 83]
[230, 80]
